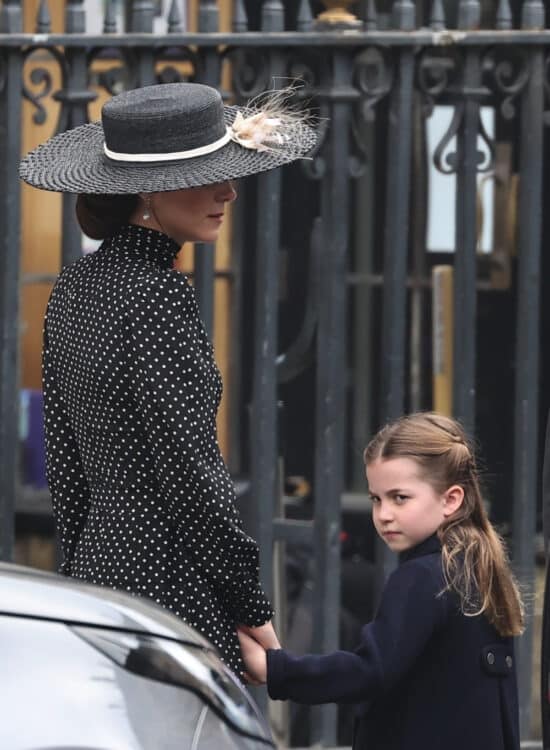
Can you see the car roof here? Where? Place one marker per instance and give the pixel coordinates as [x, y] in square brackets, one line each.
[28, 592]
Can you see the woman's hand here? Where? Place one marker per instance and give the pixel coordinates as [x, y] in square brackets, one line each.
[264, 634]
[254, 658]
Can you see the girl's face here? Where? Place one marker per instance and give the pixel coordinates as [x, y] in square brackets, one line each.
[406, 509]
[189, 215]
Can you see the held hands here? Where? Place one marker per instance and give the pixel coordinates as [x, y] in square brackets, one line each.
[264, 634]
[254, 643]
[254, 656]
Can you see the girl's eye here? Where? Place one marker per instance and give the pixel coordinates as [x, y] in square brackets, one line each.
[374, 500]
[400, 499]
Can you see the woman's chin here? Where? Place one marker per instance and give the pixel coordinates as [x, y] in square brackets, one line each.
[205, 238]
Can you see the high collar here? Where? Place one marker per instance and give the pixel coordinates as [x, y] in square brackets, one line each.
[428, 547]
[145, 243]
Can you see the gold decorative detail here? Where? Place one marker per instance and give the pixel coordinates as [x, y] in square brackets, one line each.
[337, 12]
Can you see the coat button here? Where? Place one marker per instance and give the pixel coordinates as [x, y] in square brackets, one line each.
[490, 658]
[509, 661]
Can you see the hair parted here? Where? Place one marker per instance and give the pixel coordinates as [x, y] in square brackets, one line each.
[475, 563]
[100, 216]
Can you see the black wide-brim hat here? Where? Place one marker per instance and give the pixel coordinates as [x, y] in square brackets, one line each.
[166, 137]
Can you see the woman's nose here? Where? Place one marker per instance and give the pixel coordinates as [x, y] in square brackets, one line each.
[227, 192]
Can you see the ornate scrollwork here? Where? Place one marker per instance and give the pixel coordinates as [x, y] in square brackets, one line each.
[251, 72]
[443, 159]
[446, 161]
[485, 161]
[176, 64]
[372, 76]
[506, 72]
[40, 76]
[436, 73]
[441, 80]
[252, 75]
[119, 75]
[170, 74]
[169, 64]
[304, 73]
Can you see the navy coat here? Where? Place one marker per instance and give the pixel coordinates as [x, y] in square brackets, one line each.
[424, 676]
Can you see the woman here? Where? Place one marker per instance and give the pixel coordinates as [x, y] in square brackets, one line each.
[142, 498]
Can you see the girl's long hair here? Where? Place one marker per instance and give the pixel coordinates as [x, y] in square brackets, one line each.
[474, 560]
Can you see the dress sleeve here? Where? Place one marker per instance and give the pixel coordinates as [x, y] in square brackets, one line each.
[174, 382]
[64, 471]
[410, 612]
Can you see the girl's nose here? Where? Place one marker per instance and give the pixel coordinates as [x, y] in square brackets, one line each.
[385, 511]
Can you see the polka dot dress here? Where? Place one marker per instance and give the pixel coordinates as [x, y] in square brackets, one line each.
[142, 499]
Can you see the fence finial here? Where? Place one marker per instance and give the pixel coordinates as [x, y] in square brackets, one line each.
[43, 18]
[75, 17]
[174, 18]
[305, 17]
[273, 16]
[209, 16]
[404, 15]
[504, 15]
[437, 17]
[469, 14]
[11, 18]
[371, 22]
[109, 22]
[240, 19]
[141, 19]
[532, 15]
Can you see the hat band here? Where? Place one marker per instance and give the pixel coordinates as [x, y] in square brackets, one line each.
[173, 155]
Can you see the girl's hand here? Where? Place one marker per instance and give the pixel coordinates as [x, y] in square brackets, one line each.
[254, 658]
[264, 634]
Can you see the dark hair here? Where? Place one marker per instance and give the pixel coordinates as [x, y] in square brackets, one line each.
[473, 555]
[100, 216]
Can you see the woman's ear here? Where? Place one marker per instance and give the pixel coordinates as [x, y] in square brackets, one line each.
[452, 499]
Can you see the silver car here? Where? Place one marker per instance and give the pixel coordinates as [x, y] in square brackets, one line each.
[83, 667]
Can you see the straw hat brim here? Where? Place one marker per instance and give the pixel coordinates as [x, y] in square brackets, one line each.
[75, 162]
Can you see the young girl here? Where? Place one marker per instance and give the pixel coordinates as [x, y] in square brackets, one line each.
[435, 668]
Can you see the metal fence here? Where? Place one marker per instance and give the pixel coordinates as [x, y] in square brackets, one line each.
[375, 83]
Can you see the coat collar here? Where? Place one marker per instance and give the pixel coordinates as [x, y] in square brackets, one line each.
[145, 243]
[429, 546]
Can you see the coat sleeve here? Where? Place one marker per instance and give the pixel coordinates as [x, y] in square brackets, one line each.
[410, 612]
[64, 471]
[173, 382]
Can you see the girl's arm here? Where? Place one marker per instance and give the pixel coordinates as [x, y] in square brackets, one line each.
[409, 615]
